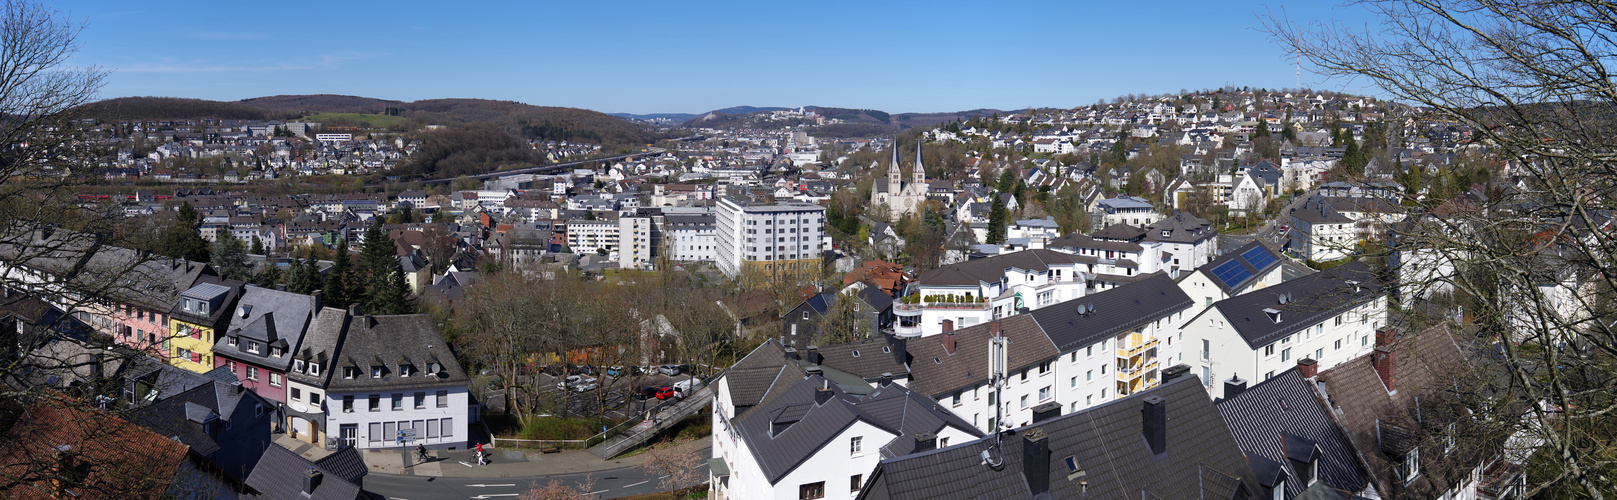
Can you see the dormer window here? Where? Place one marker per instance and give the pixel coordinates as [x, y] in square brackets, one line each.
[275, 351]
[1409, 469]
[231, 341]
[314, 368]
[252, 347]
[297, 365]
[376, 371]
[350, 371]
[404, 370]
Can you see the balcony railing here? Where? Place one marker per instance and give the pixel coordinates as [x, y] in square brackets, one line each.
[1131, 374]
[916, 308]
[1130, 352]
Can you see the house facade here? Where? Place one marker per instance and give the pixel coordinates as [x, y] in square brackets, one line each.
[266, 328]
[395, 384]
[195, 322]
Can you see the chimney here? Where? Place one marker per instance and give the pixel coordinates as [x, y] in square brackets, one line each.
[993, 328]
[948, 341]
[948, 326]
[791, 353]
[925, 441]
[353, 309]
[315, 298]
[814, 354]
[1173, 372]
[1046, 411]
[822, 394]
[1234, 387]
[1154, 424]
[886, 379]
[1386, 336]
[1036, 463]
[311, 480]
[1385, 359]
[812, 371]
[1308, 368]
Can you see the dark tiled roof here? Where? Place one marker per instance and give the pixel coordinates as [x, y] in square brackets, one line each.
[1427, 363]
[989, 270]
[1316, 211]
[937, 373]
[1182, 227]
[279, 475]
[274, 318]
[874, 357]
[1110, 312]
[1201, 459]
[1312, 299]
[389, 341]
[1261, 418]
[346, 464]
[1119, 232]
[1076, 241]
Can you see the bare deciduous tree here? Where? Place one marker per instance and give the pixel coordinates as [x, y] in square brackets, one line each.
[1529, 262]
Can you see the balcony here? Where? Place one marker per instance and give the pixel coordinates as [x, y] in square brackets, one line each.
[1140, 348]
[1131, 374]
[907, 309]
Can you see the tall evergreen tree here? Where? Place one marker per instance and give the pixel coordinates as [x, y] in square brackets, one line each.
[183, 237]
[338, 292]
[230, 258]
[1263, 129]
[377, 260]
[258, 246]
[267, 277]
[996, 221]
[298, 279]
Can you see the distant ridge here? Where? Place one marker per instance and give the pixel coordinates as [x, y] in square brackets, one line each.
[176, 108]
[322, 103]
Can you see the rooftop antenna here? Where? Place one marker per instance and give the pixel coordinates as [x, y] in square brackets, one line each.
[998, 364]
[1297, 47]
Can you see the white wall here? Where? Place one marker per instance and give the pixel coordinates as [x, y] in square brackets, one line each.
[1229, 353]
[455, 410]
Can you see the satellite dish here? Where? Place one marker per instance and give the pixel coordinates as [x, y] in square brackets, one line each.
[1283, 299]
[1082, 310]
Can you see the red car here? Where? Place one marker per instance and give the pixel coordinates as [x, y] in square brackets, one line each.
[666, 393]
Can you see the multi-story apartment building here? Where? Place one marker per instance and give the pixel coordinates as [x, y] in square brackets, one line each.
[640, 239]
[1330, 317]
[265, 330]
[1250, 267]
[690, 237]
[768, 241]
[195, 323]
[1321, 233]
[1131, 210]
[979, 290]
[592, 236]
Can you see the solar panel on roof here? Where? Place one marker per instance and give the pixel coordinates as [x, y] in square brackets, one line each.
[1259, 257]
[1231, 273]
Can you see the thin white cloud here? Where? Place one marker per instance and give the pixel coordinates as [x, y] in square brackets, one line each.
[171, 66]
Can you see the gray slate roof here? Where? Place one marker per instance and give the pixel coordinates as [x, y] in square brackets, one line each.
[1110, 312]
[1311, 299]
[279, 475]
[389, 341]
[1201, 459]
[1267, 419]
[271, 317]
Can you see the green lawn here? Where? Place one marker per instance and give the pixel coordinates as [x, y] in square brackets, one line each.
[378, 121]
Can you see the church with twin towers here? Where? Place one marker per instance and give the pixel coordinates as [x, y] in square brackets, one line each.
[901, 197]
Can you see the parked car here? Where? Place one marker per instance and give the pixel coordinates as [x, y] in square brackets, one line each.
[669, 370]
[619, 371]
[667, 393]
[646, 392]
[577, 383]
[580, 370]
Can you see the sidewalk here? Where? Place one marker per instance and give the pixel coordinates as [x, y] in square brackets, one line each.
[504, 462]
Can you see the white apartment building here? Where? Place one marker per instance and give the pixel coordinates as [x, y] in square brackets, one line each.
[1131, 210]
[691, 237]
[768, 240]
[639, 241]
[1250, 267]
[1321, 233]
[592, 236]
[1330, 317]
[979, 290]
[1063, 358]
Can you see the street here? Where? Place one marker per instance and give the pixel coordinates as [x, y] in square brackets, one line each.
[614, 483]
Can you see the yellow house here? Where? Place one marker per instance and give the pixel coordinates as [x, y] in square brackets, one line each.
[193, 322]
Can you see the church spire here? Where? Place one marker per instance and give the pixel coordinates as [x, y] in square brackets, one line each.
[919, 172]
[893, 176]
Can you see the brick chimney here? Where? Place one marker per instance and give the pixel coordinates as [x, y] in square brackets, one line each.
[1385, 359]
[1308, 368]
[1386, 336]
[948, 342]
[993, 328]
[948, 325]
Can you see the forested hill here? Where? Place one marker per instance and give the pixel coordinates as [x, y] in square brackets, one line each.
[525, 120]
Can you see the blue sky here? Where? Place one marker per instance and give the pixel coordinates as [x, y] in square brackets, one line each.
[691, 57]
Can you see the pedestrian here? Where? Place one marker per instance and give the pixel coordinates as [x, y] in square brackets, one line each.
[421, 452]
[480, 458]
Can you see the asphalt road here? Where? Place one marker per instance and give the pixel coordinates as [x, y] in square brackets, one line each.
[614, 483]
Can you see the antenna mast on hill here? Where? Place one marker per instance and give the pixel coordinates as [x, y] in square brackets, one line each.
[1297, 47]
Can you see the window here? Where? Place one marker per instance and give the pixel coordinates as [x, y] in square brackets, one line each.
[443, 399]
[854, 481]
[1338, 321]
[1269, 350]
[420, 400]
[449, 427]
[956, 400]
[1089, 375]
[314, 368]
[1102, 369]
[314, 398]
[811, 491]
[1024, 375]
[404, 370]
[376, 402]
[1044, 393]
[296, 394]
[1044, 368]
[1409, 469]
[275, 379]
[252, 373]
[1207, 349]
[1207, 376]
[1338, 344]
[252, 347]
[1269, 375]
[398, 402]
[1103, 394]
[297, 365]
[1310, 472]
[376, 371]
[347, 404]
[350, 371]
[856, 445]
[1089, 400]
[1285, 354]
[1319, 353]
[1091, 350]
[1074, 382]
[1024, 401]
[258, 410]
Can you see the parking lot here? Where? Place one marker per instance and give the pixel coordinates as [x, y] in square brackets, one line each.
[619, 400]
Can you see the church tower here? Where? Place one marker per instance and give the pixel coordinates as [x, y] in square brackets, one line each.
[918, 173]
[894, 177]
